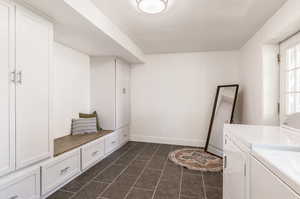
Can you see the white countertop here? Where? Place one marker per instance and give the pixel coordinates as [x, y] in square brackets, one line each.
[271, 136]
[277, 148]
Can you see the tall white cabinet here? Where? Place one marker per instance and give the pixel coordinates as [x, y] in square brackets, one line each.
[110, 92]
[7, 89]
[33, 58]
[26, 42]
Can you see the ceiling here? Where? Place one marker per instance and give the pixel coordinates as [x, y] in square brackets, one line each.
[74, 30]
[191, 25]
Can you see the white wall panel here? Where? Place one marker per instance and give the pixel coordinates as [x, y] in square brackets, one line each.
[71, 87]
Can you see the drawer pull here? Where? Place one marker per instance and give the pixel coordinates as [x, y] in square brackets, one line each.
[63, 171]
[113, 142]
[95, 153]
[14, 197]
[125, 135]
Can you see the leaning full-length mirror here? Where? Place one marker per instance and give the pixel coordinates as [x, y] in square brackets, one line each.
[223, 111]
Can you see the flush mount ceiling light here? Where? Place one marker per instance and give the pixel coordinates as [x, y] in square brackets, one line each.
[152, 6]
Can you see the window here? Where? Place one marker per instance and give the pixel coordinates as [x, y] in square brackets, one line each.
[290, 77]
[292, 73]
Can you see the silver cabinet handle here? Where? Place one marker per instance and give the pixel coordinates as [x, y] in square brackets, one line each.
[14, 197]
[113, 142]
[19, 77]
[225, 162]
[95, 153]
[64, 170]
[13, 76]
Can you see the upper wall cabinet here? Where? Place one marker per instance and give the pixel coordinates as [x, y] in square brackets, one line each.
[7, 134]
[34, 37]
[26, 42]
[110, 91]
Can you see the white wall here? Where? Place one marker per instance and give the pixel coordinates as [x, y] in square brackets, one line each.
[258, 70]
[172, 95]
[71, 87]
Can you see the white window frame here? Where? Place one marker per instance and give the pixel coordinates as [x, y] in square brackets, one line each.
[284, 47]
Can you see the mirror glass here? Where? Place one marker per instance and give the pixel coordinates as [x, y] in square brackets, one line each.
[223, 111]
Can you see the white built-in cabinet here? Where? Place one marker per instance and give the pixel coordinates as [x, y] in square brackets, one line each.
[264, 184]
[25, 185]
[110, 91]
[34, 37]
[244, 177]
[7, 89]
[26, 42]
[25, 103]
[235, 172]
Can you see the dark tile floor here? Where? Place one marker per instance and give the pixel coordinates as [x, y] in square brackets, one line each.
[142, 171]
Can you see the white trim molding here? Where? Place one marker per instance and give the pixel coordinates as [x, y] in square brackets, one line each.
[167, 140]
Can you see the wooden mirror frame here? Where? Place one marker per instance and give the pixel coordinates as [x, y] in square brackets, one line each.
[214, 111]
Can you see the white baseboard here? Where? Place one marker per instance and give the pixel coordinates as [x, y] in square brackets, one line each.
[167, 140]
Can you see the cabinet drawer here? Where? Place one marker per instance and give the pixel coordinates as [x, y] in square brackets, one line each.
[60, 170]
[26, 186]
[123, 135]
[91, 153]
[111, 142]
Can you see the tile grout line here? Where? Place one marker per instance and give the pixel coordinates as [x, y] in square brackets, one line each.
[62, 190]
[203, 184]
[181, 179]
[110, 164]
[109, 185]
[181, 175]
[143, 189]
[160, 177]
[133, 186]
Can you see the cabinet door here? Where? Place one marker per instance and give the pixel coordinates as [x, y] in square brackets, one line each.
[234, 178]
[6, 88]
[122, 94]
[270, 187]
[33, 54]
